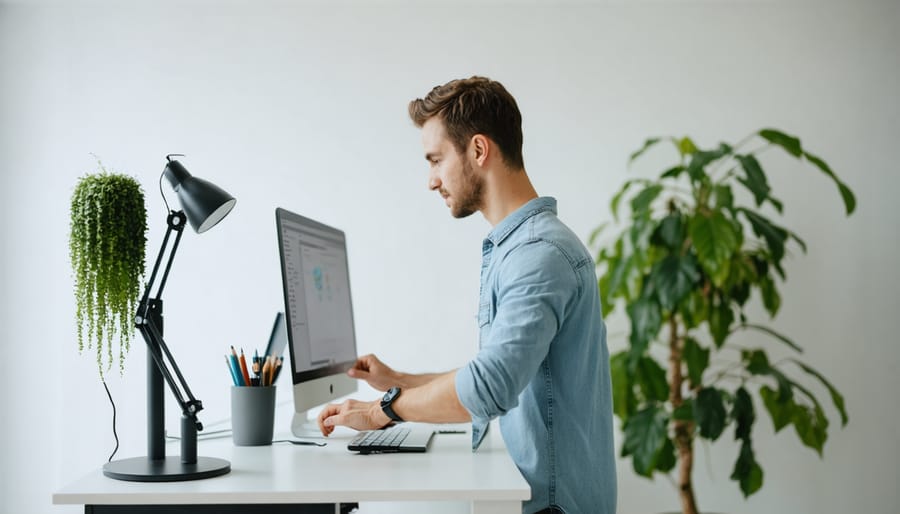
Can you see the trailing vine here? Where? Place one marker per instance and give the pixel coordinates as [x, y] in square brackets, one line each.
[106, 249]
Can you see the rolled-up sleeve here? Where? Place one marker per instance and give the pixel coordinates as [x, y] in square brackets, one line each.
[536, 284]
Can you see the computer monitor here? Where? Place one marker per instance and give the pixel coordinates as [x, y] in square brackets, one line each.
[318, 312]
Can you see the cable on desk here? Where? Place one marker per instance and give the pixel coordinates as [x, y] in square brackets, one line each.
[300, 443]
[113, 421]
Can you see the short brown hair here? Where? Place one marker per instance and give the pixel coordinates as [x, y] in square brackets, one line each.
[476, 105]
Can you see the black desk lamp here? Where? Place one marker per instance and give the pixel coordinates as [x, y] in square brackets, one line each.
[204, 205]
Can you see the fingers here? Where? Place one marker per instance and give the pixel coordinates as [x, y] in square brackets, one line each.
[358, 373]
[334, 415]
[367, 362]
[328, 412]
[351, 413]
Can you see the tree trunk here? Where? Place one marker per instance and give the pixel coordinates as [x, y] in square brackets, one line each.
[683, 429]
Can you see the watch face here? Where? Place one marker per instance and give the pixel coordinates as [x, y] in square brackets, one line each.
[390, 394]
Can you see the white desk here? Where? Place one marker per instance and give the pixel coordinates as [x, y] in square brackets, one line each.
[284, 475]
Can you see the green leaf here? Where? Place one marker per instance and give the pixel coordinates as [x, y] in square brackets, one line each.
[774, 334]
[646, 321]
[724, 197]
[694, 310]
[674, 278]
[652, 380]
[715, 240]
[669, 233]
[642, 228]
[641, 202]
[773, 234]
[606, 303]
[799, 241]
[836, 396]
[811, 426]
[777, 204]
[771, 298]
[685, 146]
[747, 471]
[645, 436]
[647, 144]
[755, 178]
[672, 172]
[701, 159]
[614, 203]
[685, 411]
[789, 143]
[592, 239]
[742, 275]
[846, 193]
[624, 403]
[758, 364]
[697, 359]
[618, 277]
[779, 410]
[743, 414]
[710, 413]
[666, 460]
[720, 319]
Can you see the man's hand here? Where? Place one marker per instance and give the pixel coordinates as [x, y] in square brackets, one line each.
[376, 373]
[354, 414]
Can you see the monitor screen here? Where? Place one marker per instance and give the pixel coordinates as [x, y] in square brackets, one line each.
[318, 308]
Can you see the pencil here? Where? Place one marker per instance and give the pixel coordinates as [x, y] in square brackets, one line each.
[244, 371]
[234, 377]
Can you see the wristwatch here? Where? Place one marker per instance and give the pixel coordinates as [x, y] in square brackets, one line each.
[389, 397]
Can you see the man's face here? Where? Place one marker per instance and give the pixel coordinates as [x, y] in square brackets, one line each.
[451, 173]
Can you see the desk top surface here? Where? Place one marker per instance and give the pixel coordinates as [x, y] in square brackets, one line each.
[284, 473]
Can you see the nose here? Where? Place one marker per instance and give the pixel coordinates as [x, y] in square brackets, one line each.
[433, 181]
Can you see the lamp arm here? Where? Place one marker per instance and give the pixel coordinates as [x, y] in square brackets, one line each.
[175, 222]
[149, 311]
[154, 339]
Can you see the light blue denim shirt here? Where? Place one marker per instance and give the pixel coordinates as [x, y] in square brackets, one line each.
[543, 365]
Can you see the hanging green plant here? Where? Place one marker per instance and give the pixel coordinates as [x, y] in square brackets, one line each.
[106, 249]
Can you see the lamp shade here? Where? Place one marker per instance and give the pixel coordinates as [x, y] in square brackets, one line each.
[204, 203]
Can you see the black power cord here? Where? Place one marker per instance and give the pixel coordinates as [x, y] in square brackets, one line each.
[113, 421]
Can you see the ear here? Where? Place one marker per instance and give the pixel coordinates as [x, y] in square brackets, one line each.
[480, 148]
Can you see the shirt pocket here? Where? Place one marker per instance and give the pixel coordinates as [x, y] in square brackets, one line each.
[484, 313]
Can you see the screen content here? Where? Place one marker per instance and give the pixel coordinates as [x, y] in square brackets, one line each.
[317, 286]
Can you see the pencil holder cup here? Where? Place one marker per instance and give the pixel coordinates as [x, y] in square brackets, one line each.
[252, 415]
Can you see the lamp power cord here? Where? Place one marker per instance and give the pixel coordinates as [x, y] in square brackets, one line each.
[115, 435]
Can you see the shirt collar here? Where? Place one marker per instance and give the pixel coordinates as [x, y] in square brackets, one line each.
[519, 216]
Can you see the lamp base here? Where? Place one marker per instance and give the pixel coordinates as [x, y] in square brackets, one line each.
[170, 469]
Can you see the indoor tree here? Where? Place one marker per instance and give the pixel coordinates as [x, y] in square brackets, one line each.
[684, 264]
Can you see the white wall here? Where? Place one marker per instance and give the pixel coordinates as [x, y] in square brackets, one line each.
[304, 106]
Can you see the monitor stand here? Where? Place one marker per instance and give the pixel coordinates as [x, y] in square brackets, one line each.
[302, 426]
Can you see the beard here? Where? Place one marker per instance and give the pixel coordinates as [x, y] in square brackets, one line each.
[469, 198]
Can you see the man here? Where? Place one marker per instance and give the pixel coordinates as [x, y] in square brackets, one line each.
[543, 365]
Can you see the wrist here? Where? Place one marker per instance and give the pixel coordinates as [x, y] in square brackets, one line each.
[379, 418]
[401, 380]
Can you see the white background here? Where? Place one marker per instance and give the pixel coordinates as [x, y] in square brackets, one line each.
[303, 105]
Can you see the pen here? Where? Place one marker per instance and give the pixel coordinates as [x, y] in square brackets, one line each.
[244, 372]
[257, 367]
[257, 380]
